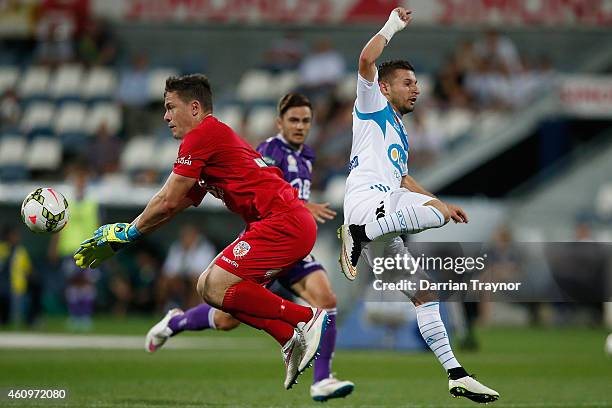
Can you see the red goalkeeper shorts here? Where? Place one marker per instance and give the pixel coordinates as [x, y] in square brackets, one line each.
[270, 247]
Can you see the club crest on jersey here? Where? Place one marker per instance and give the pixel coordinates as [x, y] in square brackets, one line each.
[291, 163]
[241, 249]
[398, 158]
[184, 160]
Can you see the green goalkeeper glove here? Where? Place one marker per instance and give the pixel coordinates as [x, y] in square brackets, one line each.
[121, 233]
[106, 241]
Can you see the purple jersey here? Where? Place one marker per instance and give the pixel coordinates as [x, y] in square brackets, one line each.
[296, 165]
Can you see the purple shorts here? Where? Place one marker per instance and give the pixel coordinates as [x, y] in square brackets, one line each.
[299, 271]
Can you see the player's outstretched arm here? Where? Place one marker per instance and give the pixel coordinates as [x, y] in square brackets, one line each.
[169, 201]
[398, 20]
[109, 238]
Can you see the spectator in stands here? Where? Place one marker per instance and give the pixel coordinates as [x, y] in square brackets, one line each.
[103, 154]
[15, 268]
[333, 143]
[182, 268]
[449, 88]
[499, 50]
[10, 111]
[285, 53]
[321, 69]
[425, 143]
[133, 94]
[97, 46]
[58, 24]
[84, 218]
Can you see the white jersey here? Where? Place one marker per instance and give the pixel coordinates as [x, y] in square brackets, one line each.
[379, 155]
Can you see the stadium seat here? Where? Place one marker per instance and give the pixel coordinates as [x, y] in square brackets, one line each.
[346, 88]
[166, 154]
[334, 192]
[12, 158]
[66, 82]
[231, 115]
[139, 154]
[44, 153]
[284, 83]
[157, 83]
[457, 122]
[70, 118]
[8, 77]
[35, 83]
[108, 113]
[99, 84]
[260, 123]
[256, 85]
[37, 118]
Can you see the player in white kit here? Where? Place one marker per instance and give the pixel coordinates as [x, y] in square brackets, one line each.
[382, 201]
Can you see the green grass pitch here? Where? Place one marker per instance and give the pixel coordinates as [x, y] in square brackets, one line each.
[529, 367]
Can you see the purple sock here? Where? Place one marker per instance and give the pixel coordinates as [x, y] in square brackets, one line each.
[196, 318]
[322, 365]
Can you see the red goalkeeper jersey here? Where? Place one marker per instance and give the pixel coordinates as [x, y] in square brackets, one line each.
[231, 170]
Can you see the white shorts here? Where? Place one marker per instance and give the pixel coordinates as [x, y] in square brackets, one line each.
[364, 208]
[391, 244]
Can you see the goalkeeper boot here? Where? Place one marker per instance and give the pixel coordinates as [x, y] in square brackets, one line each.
[292, 352]
[157, 336]
[470, 388]
[312, 333]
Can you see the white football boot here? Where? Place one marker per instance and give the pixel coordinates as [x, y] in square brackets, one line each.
[293, 351]
[469, 388]
[349, 252]
[157, 336]
[312, 332]
[330, 388]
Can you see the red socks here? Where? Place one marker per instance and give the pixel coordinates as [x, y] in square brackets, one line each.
[256, 301]
[278, 329]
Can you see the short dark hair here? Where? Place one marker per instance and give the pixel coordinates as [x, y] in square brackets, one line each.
[292, 100]
[191, 87]
[388, 68]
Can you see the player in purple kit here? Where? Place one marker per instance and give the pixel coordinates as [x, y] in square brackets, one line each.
[307, 279]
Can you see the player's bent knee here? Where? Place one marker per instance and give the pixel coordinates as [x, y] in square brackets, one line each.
[440, 206]
[225, 322]
[201, 286]
[327, 300]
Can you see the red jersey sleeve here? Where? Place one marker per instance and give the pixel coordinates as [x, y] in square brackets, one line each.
[196, 194]
[192, 156]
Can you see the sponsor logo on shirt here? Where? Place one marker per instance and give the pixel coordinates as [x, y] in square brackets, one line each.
[241, 249]
[229, 261]
[184, 160]
[397, 157]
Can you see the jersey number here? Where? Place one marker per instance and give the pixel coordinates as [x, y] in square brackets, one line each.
[303, 188]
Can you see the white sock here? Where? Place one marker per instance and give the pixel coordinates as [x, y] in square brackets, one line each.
[434, 333]
[411, 219]
[211, 318]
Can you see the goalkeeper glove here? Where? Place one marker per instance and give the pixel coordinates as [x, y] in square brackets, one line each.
[107, 240]
[91, 255]
[121, 233]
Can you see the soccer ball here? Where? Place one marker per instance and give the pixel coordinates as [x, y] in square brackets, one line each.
[45, 210]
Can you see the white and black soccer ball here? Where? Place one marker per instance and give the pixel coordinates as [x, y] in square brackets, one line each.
[45, 210]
